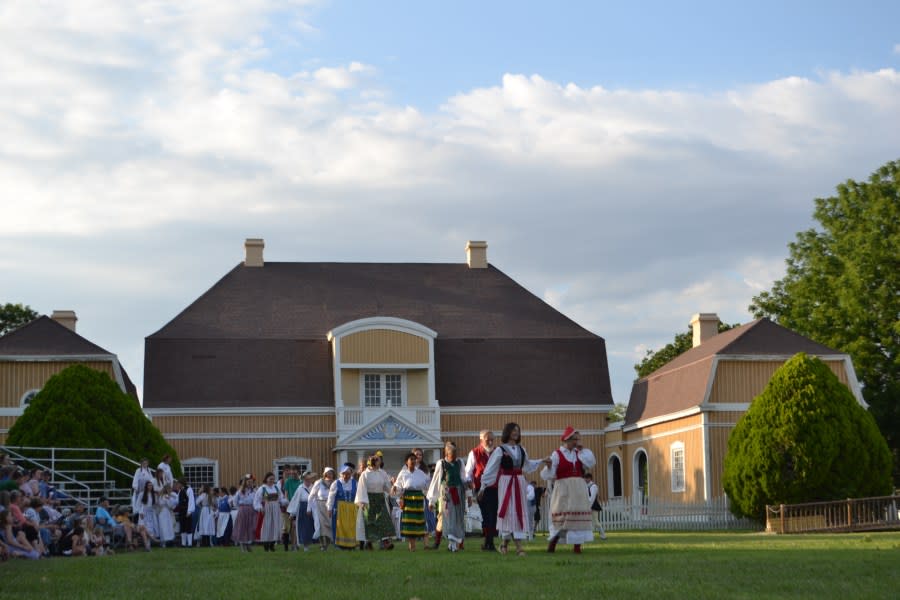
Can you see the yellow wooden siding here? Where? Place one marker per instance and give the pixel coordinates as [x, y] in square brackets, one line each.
[657, 442]
[417, 387]
[718, 447]
[17, 377]
[350, 387]
[526, 421]
[741, 381]
[239, 456]
[245, 423]
[384, 347]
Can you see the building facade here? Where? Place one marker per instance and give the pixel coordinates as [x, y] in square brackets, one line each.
[322, 363]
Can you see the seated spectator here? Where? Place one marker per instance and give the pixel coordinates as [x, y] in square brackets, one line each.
[103, 518]
[123, 520]
[98, 545]
[74, 543]
[24, 479]
[32, 515]
[78, 516]
[15, 542]
[20, 523]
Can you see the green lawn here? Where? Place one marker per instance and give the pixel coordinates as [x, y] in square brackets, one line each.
[628, 565]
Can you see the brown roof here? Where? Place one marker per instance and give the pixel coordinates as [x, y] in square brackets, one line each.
[307, 300]
[681, 383]
[45, 337]
[241, 342]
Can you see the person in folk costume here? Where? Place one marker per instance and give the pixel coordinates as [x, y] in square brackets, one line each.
[268, 502]
[570, 511]
[206, 527]
[372, 498]
[341, 508]
[487, 496]
[318, 508]
[448, 491]
[223, 518]
[244, 531]
[289, 488]
[185, 509]
[166, 467]
[593, 501]
[410, 485]
[159, 481]
[142, 475]
[147, 505]
[430, 517]
[505, 467]
[165, 504]
[298, 508]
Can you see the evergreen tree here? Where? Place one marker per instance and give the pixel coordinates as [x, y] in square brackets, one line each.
[804, 439]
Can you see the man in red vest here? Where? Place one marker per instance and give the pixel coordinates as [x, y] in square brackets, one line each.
[487, 501]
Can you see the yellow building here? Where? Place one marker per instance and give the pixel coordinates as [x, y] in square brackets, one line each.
[321, 363]
[671, 446]
[33, 353]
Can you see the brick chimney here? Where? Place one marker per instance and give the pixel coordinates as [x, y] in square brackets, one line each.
[476, 254]
[253, 248]
[66, 318]
[705, 326]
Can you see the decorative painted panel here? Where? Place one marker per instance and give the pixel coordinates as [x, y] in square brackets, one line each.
[384, 347]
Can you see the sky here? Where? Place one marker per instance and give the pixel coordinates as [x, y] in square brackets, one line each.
[630, 163]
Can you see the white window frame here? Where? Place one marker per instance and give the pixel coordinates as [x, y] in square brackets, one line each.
[27, 397]
[677, 460]
[201, 462]
[611, 477]
[305, 464]
[382, 374]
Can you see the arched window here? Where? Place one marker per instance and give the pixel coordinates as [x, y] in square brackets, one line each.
[641, 477]
[614, 476]
[27, 397]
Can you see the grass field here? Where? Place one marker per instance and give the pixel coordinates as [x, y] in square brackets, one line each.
[628, 565]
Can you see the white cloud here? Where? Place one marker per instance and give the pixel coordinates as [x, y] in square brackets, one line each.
[144, 142]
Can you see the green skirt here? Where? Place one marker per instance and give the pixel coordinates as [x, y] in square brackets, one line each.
[412, 523]
[378, 518]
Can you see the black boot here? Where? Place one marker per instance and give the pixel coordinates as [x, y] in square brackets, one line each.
[286, 540]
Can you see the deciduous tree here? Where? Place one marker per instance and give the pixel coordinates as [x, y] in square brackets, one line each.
[842, 289]
[15, 315]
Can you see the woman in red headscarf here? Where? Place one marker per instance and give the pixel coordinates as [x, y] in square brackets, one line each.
[570, 508]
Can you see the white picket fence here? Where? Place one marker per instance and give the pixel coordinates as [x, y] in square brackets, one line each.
[629, 513]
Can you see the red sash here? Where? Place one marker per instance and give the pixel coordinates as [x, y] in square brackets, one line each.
[512, 488]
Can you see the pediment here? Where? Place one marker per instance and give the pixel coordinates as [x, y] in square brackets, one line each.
[388, 430]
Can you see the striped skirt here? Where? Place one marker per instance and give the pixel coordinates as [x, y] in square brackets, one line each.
[412, 523]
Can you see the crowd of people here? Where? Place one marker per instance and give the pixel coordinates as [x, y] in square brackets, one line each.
[354, 507]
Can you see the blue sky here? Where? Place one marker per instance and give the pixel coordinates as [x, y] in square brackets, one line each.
[630, 163]
[429, 51]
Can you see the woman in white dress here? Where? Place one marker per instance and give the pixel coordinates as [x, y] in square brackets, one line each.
[206, 527]
[147, 506]
[318, 507]
[165, 516]
[372, 498]
[506, 467]
[142, 475]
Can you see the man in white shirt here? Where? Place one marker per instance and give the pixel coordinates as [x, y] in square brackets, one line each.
[593, 488]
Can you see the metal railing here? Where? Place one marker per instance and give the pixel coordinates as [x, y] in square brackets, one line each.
[82, 475]
[853, 514]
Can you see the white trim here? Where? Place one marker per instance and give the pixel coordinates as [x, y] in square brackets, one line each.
[726, 407]
[714, 368]
[663, 434]
[240, 410]
[313, 435]
[516, 409]
[17, 411]
[382, 322]
[610, 476]
[694, 410]
[855, 388]
[354, 439]
[385, 366]
[22, 404]
[673, 447]
[291, 460]
[704, 439]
